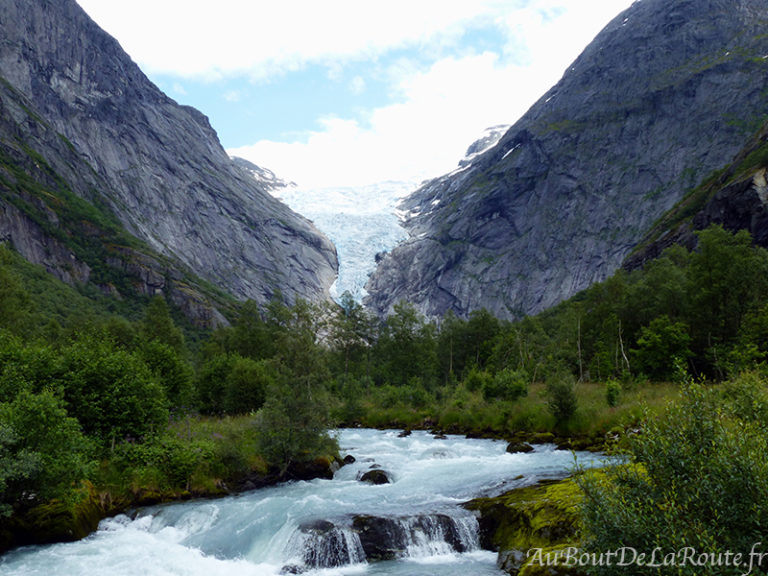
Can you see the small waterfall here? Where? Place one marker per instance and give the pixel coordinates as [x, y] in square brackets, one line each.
[384, 538]
[324, 544]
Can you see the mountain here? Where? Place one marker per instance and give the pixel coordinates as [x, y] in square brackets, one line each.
[664, 95]
[735, 197]
[83, 126]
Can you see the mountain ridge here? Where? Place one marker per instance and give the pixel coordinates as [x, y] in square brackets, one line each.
[156, 165]
[665, 94]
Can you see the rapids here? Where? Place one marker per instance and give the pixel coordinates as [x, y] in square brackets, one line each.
[413, 526]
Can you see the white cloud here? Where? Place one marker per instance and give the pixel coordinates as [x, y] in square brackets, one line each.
[233, 96]
[442, 110]
[212, 39]
[357, 86]
[439, 110]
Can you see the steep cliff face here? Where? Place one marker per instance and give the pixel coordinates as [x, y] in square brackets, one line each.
[666, 93]
[735, 198]
[157, 166]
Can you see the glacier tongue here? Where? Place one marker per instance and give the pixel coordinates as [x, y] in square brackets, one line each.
[360, 220]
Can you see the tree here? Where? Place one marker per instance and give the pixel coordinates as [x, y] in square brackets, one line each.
[351, 333]
[661, 346]
[43, 454]
[173, 373]
[246, 385]
[293, 427]
[728, 278]
[158, 325]
[406, 347]
[111, 391]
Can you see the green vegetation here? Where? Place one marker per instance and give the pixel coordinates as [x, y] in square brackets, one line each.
[697, 478]
[149, 411]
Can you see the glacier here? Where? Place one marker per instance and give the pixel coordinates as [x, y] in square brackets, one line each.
[360, 220]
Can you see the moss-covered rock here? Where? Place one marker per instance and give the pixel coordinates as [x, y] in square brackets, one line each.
[527, 519]
[55, 521]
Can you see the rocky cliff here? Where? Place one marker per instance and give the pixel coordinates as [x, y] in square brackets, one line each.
[76, 108]
[666, 93]
[735, 198]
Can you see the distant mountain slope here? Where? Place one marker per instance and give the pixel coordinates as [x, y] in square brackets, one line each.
[666, 93]
[156, 165]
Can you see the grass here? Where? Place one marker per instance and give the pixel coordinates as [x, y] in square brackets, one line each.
[463, 411]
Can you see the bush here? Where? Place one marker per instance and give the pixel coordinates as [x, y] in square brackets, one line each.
[612, 393]
[43, 454]
[506, 385]
[696, 478]
[562, 401]
[112, 392]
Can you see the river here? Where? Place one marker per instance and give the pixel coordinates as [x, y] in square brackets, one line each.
[322, 527]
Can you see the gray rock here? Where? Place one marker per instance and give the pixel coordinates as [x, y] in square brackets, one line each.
[375, 476]
[157, 165]
[666, 93]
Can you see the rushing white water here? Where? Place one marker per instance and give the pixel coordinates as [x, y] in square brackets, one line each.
[318, 527]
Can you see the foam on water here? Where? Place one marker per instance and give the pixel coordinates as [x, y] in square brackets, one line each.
[306, 524]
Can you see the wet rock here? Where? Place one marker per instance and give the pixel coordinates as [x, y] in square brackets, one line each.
[387, 538]
[375, 476]
[349, 459]
[519, 448]
[325, 545]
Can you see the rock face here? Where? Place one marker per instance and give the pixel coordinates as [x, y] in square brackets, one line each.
[115, 139]
[666, 93]
[736, 198]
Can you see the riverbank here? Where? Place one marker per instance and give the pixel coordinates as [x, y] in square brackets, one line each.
[596, 425]
[527, 524]
[195, 458]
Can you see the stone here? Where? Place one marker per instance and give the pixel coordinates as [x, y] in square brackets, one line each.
[519, 448]
[375, 476]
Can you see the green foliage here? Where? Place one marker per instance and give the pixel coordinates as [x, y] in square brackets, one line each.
[660, 346]
[293, 426]
[43, 454]
[111, 391]
[696, 477]
[506, 385]
[562, 402]
[158, 326]
[612, 393]
[247, 384]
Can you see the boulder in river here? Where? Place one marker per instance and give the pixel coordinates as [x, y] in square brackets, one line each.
[376, 476]
[519, 448]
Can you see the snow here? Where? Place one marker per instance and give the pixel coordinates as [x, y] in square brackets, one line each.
[360, 221]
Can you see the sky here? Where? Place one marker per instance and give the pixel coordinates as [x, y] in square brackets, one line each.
[351, 92]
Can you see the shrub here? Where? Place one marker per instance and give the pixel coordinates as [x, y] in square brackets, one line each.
[562, 401]
[43, 454]
[696, 478]
[506, 385]
[612, 393]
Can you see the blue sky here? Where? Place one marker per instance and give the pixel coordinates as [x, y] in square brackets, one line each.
[351, 92]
